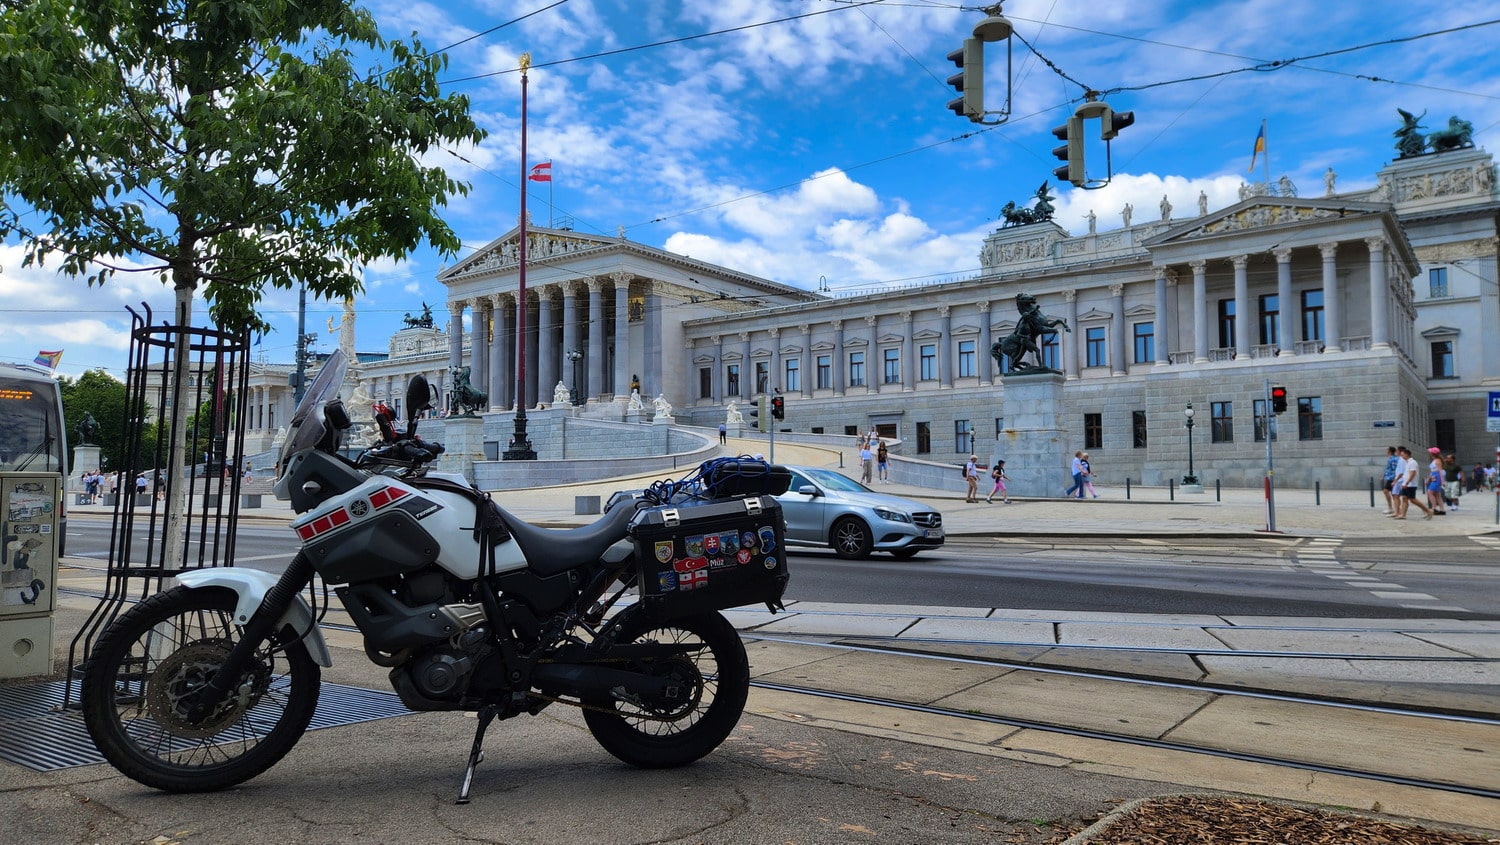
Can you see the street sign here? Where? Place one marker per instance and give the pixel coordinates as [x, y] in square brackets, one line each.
[1492, 421]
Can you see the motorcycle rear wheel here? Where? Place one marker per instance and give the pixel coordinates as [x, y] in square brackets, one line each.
[163, 648]
[720, 672]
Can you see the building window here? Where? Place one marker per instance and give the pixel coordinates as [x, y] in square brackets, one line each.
[1442, 359]
[999, 426]
[1270, 319]
[1310, 418]
[1138, 429]
[733, 385]
[793, 375]
[929, 362]
[892, 358]
[1051, 352]
[1445, 435]
[851, 430]
[1221, 422]
[1145, 342]
[825, 372]
[762, 377]
[705, 383]
[1260, 421]
[1312, 314]
[966, 368]
[1093, 431]
[1096, 347]
[924, 438]
[963, 437]
[856, 369]
[1226, 324]
[1437, 282]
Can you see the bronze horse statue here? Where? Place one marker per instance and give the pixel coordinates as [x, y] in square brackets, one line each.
[1032, 325]
[466, 398]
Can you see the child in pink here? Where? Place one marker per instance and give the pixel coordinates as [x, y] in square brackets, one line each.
[998, 473]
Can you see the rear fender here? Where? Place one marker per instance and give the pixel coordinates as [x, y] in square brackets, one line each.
[251, 585]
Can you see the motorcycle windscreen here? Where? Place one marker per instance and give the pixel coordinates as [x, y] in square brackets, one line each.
[307, 426]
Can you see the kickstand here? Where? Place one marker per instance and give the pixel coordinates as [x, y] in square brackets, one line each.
[476, 754]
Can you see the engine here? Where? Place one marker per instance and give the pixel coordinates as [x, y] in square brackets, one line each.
[440, 675]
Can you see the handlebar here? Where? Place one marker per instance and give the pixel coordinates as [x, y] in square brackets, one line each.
[407, 452]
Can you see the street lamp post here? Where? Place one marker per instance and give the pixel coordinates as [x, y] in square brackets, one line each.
[1191, 479]
[575, 356]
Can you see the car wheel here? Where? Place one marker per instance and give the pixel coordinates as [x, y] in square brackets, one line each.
[905, 553]
[851, 539]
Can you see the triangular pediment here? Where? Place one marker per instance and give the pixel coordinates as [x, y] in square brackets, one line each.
[1262, 212]
[541, 243]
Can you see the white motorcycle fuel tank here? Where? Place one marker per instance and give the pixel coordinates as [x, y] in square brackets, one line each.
[356, 517]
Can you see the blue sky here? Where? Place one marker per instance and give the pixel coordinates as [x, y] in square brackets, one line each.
[821, 148]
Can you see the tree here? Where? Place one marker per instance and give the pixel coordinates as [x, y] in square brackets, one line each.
[210, 140]
[230, 144]
[95, 392]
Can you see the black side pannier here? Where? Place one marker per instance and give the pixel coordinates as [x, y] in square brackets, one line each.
[710, 554]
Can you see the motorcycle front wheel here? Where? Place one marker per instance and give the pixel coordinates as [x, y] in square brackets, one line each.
[161, 650]
[718, 675]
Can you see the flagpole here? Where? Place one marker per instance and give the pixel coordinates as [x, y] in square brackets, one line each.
[1267, 152]
[520, 447]
[549, 200]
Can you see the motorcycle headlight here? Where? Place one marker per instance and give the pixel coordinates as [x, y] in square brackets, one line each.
[892, 516]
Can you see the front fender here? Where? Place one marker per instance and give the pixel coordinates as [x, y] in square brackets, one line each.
[251, 585]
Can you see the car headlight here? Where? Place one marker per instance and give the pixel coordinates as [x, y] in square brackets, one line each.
[892, 516]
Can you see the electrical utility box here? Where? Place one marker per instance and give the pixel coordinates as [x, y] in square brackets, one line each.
[30, 515]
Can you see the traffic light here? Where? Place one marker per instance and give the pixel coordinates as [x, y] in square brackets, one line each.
[969, 81]
[1111, 122]
[778, 407]
[1278, 399]
[761, 413]
[1071, 151]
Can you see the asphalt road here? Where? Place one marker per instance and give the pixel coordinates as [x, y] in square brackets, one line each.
[1251, 577]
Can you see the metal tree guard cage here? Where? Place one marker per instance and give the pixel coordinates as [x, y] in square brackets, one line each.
[197, 487]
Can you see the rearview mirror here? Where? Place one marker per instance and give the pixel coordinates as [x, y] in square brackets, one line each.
[418, 399]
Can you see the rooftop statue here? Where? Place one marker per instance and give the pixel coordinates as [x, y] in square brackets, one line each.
[1409, 142]
[1040, 213]
[1458, 135]
[424, 321]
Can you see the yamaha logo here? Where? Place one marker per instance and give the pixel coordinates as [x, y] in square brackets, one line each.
[359, 507]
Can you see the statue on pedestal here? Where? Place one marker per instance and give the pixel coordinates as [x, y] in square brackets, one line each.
[732, 415]
[561, 396]
[88, 429]
[466, 398]
[636, 403]
[662, 406]
[1033, 324]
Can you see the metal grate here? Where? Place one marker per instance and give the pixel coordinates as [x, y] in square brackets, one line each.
[35, 732]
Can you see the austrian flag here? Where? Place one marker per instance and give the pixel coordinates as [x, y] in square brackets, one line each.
[541, 172]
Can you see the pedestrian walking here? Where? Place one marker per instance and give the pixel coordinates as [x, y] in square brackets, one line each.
[866, 463]
[1077, 470]
[1392, 464]
[1434, 484]
[1408, 482]
[1088, 477]
[998, 474]
[1453, 481]
[723, 433]
[971, 478]
[883, 462]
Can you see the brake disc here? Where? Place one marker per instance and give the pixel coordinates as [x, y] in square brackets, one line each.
[189, 669]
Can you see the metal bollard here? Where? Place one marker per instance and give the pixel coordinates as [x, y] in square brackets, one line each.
[1218, 491]
[1171, 489]
[1127, 488]
[1372, 491]
[1317, 493]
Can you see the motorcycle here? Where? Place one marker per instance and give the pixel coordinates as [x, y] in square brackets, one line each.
[213, 681]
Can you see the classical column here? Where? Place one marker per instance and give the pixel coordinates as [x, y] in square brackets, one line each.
[622, 335]
[1117, 365]
[1286, 330]
[748, 387]
[719, 379]
[570, 334]
[872, 374]
[986, 361]
[1243, 324]
[908, 354]
[809, 365]
[1161, 342]
[1200, 311]
[596, 339]
[838, 357]
[494, 385]
[654, 369]
[1069, 340]
[778, 378]
[455, 333]
[1380, 295]
[507, 342]
[479, 344]
[547, 354]
[1332, 319]
[945, 346]
[533, 335]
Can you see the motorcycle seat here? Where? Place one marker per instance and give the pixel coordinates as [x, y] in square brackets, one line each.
[550, 551]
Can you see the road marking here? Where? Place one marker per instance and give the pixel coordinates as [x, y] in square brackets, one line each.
[1384, 594]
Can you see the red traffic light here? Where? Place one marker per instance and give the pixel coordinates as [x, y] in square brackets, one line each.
[1278, 399]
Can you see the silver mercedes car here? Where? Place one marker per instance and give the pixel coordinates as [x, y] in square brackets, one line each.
[826, 508]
